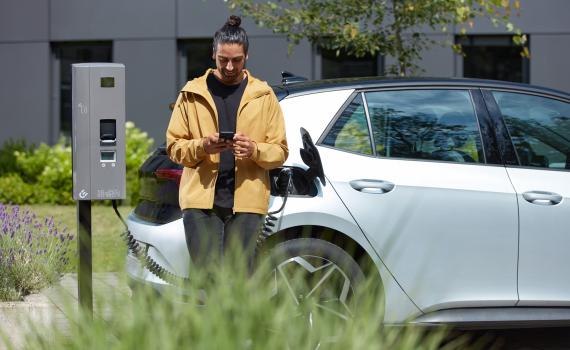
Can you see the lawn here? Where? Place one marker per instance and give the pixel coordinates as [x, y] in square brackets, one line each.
[109, 249]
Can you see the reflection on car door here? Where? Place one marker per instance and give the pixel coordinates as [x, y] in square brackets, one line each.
[539, 128]
[443, 222]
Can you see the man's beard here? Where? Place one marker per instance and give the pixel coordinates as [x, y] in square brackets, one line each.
[233, 78]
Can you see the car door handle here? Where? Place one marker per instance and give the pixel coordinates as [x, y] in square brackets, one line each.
[542, 197]
[372, 186]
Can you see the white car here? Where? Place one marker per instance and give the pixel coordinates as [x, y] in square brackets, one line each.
[454, 193]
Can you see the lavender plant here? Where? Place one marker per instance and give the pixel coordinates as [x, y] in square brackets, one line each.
[33, 251]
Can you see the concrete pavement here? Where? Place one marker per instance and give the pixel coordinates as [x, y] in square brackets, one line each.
[51, 307]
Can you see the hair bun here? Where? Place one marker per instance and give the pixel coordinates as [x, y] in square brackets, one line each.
[233, 21]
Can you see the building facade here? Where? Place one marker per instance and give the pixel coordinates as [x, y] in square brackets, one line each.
[164, 43]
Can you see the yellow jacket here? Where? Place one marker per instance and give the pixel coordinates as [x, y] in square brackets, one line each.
[195, 117]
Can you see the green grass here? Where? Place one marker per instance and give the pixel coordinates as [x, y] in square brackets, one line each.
[109, 249]
[234, 310]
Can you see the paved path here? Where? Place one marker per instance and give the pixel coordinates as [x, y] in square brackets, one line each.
[52, 306]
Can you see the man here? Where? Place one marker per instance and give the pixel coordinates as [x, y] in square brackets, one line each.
[224, 190]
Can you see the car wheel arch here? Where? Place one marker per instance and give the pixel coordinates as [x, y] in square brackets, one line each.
[360, 255]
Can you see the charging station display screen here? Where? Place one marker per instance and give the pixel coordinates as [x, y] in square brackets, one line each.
[107, 82]
[107, 156]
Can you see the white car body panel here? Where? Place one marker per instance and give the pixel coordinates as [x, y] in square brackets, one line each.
[312, 112]
[327, 210]
[438, 220]
[544, 238]
[169, 239]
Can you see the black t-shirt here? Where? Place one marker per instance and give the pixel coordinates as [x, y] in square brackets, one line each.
[227, 99]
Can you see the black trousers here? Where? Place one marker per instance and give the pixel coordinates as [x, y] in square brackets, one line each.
[210, 232]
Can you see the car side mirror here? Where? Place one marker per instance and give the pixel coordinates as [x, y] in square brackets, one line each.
[311, 157]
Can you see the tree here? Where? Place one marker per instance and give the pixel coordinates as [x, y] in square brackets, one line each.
[386, 27]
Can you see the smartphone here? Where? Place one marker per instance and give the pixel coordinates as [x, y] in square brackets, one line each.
[226, 135]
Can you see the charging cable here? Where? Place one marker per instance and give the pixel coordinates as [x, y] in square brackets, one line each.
[140, 253]
[285, 178]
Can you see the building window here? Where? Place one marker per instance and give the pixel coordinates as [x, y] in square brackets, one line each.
[195, 57]
[64, 55]
[493, 57]
[346, 66]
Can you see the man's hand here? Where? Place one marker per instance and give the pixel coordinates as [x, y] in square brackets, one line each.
[243, 146]
[213, 144]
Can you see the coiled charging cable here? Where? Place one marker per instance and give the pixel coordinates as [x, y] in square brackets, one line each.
[267, 228]
[140, 253]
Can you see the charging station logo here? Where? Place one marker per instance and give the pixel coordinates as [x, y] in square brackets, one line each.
[83, 194]
[82, 108]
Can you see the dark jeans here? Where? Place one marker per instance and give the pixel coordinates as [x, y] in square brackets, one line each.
[209, 232]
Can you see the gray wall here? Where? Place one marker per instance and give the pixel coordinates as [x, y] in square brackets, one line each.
[111, 19]
[145, 34]
[549, 63]
[24, 92]
[201, 18]
[150, 76]
[268, 57]
[23, 20]
[24, 68]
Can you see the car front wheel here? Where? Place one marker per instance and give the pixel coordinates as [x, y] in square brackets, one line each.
[320, 278]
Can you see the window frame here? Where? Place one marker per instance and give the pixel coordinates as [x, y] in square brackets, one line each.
[338, 114]
[476, 104]
[508, 149]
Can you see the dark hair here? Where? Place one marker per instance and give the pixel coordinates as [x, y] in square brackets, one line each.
[231, 33]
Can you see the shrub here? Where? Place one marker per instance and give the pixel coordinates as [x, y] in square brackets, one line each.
[138, 147]
[7, 156]
[33, 252]
[30, 165]
[15, 190]
[49, 171]
[44, 174]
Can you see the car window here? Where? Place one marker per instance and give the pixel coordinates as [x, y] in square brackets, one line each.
[350, 130]
[539, 129]
[425, 124]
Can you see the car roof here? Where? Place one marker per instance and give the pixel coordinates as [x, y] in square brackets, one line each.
[308, 87]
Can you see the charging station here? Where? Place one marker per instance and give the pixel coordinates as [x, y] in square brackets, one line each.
[98, 148]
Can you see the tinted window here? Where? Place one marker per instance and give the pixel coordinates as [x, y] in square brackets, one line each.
[425, 124]
[344, 66]
[350, 131]
[539, 128]
[493, 57]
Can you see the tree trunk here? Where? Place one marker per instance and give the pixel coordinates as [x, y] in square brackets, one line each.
[400, 56]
